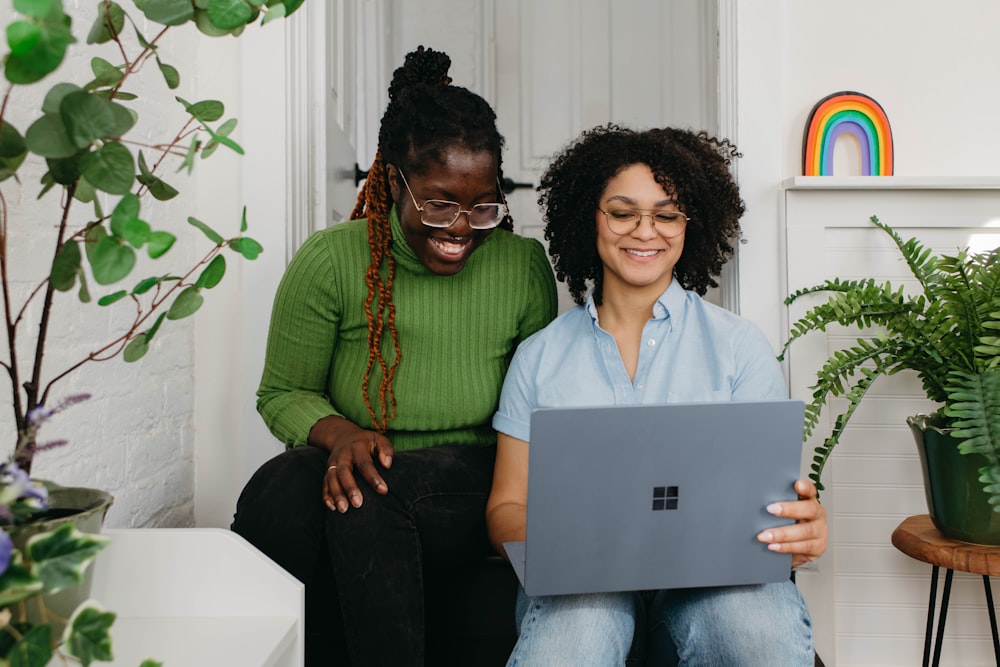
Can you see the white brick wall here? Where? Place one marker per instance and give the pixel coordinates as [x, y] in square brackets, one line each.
[135, 437]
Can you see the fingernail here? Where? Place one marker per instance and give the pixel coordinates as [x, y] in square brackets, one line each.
[356, 499]
[774, 508]
[330, 506]
[766, 536]
[774, 546]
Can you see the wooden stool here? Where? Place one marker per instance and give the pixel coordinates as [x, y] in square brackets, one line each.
[918, 538]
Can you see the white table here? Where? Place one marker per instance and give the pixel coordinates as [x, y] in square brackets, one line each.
[198, 597]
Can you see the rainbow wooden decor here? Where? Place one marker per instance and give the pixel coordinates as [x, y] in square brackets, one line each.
[855, 114]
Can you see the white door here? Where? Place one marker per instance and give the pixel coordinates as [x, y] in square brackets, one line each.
[554, 68]
[302, 83]
[563, 66]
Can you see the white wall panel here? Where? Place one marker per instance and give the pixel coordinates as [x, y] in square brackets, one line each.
[874, 597]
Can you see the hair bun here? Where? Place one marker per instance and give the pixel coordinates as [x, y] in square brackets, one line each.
[425, 66]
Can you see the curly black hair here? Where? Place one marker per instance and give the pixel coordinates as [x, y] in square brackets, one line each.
[693, 167]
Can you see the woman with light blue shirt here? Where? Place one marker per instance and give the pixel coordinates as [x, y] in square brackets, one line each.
[639, 225]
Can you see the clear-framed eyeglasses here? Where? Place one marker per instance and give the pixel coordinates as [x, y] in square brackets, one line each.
[622, 221]
[441, 213]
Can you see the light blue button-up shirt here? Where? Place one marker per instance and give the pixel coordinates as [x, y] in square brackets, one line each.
[692, 351]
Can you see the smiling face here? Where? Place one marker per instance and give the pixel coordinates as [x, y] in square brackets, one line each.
[643, 258]
[463, 176]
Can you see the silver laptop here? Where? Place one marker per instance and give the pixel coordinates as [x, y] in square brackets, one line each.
[651, 497]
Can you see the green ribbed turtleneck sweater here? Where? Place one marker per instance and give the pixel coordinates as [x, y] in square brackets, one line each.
[457, 335]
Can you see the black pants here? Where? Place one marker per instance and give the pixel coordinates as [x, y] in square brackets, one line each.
[364, 570]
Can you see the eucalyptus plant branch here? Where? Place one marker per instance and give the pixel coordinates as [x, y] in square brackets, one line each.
[31, 387]
[10, 323]
[141, 318]
[115, 35]
[185, 131]
[170, 149]
[140, 59]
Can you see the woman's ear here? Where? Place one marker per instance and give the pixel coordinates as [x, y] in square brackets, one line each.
[392, 175]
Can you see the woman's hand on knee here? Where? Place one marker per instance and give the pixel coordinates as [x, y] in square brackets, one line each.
[353, 451]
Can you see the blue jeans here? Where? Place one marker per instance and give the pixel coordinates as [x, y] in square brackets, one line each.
[738, 626]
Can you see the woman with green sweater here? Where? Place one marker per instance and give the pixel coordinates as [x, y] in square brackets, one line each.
[389, 341]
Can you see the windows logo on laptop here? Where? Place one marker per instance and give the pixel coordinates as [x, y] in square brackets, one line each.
[665, 497]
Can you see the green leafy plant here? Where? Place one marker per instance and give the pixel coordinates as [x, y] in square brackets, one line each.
[107, 177]
[948, 333]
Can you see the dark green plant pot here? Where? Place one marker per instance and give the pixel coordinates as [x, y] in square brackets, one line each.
[955, 499]
[85, 509]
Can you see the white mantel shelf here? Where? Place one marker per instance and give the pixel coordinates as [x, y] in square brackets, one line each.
[197, 597]
[892, 183]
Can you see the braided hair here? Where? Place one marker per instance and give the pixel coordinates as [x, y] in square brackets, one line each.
[691, 167]
[426, 116]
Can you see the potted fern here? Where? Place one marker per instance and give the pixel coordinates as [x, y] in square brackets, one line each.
[87, 223]
[948, 332]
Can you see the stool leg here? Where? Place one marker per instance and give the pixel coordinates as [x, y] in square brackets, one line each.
[942, 617]
[993, 618]
[929, 632]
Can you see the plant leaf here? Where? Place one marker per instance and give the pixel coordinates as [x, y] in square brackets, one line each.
[47, 137]
[55, 96]
[156, 327]
[170, 74]
[146, 284]
[192, 151]
[213, 235]
[65, 267]
[186, 304]
[275, 12]
[160, 190]
[13, 150]
[247, 247]
[59, 558]
[206, 111]
[114, 297]
[110, 260]
[34, 648]
[37, 9]
[23, 36]
[159, 243]
[109, 168]
[224, 131]
[206, 27]
[47, 52]
[105, 74]
[66, 171]
[87, 636]
[213, 273]
[137, 233]
[168, 12]
[124, 212]
[230, 14]
[108, 24]
[18, 583]
[86, 117]
[136, 349]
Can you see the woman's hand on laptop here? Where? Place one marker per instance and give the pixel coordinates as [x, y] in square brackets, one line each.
[806, 538]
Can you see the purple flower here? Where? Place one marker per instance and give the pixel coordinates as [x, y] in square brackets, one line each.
[16, 486]
[6, 551]
[38, 415]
